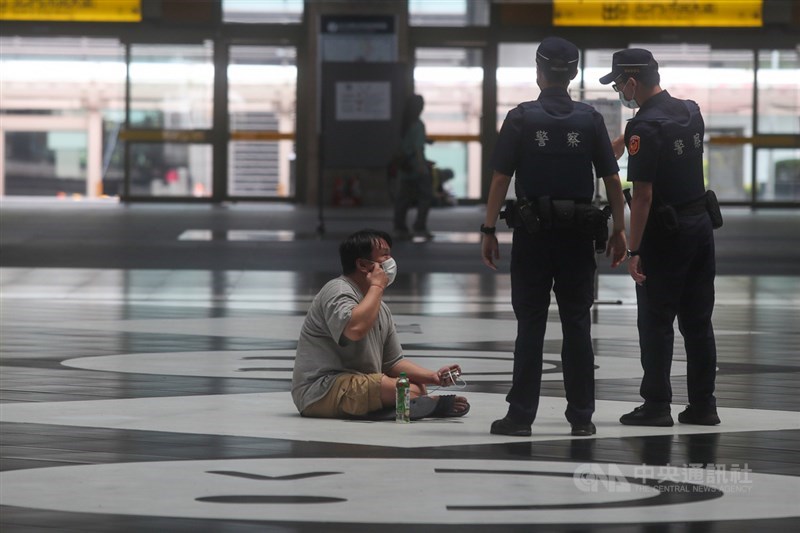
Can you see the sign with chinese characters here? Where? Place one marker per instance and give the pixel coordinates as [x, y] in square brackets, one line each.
[72, 10]
[363, 100]
[358, 38]
[674, 13]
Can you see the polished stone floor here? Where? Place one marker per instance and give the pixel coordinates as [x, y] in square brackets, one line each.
[146, 356]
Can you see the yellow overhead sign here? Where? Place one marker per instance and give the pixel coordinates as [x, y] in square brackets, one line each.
[72, 10]
[675, 13]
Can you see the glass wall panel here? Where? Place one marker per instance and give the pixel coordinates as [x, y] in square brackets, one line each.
[57, 96]
[113, 161]
[596, 63]
[451, 81]
[45, 163]
[516, 77]
[170, 169]
[172, 86]
[728, 114]
[728, 166]
[262, 11]
[778, 174]
[448, 12]
[262, 89]
[779, 91]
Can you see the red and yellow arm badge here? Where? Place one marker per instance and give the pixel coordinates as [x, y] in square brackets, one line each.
[633, 145]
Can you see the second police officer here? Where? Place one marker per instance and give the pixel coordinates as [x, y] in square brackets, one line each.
[672, 244]
[552, 145]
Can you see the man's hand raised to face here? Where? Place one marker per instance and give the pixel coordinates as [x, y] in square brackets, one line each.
[377, 276]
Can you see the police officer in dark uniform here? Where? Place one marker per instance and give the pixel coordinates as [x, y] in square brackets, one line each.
[552, 144]
[671, 240]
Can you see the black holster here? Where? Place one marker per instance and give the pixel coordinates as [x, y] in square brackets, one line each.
[520, 213]
[509, 214]
[528, 216]
[712, 206]
[592, 223]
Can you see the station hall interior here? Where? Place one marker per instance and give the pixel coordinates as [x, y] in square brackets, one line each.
[176, 177]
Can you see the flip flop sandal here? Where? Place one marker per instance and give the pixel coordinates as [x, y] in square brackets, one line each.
[421, 407]
[446, 407]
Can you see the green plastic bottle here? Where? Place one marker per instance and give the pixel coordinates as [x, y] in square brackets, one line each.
[403, 400]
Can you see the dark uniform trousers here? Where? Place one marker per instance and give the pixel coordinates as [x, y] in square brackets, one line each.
[680, 272]
[564, 261]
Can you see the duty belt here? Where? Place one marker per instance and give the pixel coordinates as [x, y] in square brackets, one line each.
[543, 213]
[695, 207]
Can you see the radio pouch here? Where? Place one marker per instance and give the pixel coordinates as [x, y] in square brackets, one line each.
[563, 214]
[509, 214]
[528, 216]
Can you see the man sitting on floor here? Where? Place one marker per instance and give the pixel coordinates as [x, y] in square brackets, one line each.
[349, 355]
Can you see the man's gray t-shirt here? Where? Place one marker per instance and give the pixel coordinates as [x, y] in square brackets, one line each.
[323, 352]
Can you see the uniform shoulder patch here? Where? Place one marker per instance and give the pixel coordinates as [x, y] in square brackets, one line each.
[633, 145]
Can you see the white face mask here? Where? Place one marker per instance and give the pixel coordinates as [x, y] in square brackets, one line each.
[390, 267]
[630, 104]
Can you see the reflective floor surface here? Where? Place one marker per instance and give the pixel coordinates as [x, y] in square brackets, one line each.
[145, 385]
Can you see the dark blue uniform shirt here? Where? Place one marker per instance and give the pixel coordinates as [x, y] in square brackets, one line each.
[665, 148]
[555, 172]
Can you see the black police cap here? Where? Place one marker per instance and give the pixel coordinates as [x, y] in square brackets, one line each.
[633, 62]
[557, 55]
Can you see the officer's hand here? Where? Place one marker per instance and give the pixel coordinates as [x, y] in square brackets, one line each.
[616, 248]
[635, 270]
[490, 250]
[618, 145]
[377, 276]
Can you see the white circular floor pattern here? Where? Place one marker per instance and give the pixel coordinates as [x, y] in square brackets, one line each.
[416, 491]
[278, 364]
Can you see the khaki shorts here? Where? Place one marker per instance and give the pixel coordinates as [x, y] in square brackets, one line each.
[350, 395]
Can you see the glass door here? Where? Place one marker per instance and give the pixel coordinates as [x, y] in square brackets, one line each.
[451, 82]
[262, 89]
[168, 150]
[53, 141]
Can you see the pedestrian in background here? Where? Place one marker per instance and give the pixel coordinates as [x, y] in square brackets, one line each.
[414, 173]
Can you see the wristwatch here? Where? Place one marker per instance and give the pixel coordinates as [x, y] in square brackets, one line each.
[633, 253]
[486, 230]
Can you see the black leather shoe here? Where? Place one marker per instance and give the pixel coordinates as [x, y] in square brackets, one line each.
[700, 417]
[648, 416]
[583, 430]
[506, 426]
